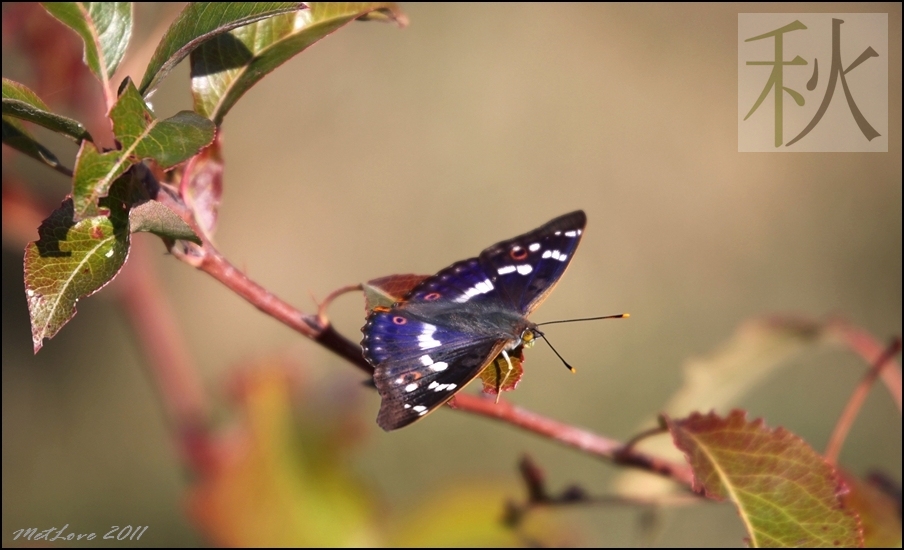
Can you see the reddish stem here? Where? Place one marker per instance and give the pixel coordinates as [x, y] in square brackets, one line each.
[833, 449]
[871, 350]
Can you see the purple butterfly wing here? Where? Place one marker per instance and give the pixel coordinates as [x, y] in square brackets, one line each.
[418, 366]
[525, 269]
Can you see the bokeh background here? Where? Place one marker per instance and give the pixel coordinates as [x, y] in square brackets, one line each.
[384, 151]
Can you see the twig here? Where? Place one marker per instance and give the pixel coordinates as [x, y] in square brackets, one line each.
[864, 344]
[856, 402]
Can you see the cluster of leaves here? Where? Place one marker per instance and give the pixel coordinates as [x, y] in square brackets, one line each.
[115, 191]
[164, 176]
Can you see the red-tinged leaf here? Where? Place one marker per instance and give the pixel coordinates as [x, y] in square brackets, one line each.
[385, 291]
[154, 217]
[879, 513]
[201, 21]
[499, 376]
[105, 29]
[786, 494]
[22, 103]
[74, 259]
[202, 186]
[227, 66]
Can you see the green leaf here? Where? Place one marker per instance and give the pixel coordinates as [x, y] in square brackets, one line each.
[142, 136]
[95, 172]
[201, 21]
[20, 102]
[168, 141]
[226, 67]
[156, 218]
[786, 494]
[16, 136]
[105, 28]
[73, 259]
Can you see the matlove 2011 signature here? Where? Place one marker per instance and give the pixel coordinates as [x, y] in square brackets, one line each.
[126, 532]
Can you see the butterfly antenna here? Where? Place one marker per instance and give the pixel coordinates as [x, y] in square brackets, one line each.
[619, 316]
[559, 355]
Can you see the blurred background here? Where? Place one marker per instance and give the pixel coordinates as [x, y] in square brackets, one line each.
[383, 151]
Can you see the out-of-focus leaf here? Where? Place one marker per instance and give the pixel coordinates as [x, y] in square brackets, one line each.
[786, 494]
[20, 102]
[53, 55]
[226, 67]
[202, 187]
[879, 514]
[720, 379]
[141, 135]
[105, 28]
[753, 353]
[278, 483]
[497, 377]
[169, 141]
[201, 21]
[385, 291]
[156, 218]
[16, 136]
[470, 516]
[73, 259]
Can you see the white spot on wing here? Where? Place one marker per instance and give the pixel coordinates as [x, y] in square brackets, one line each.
[482, 287]
[546, 254]
[440, 366]
[433, 385]
[506, 270]
[411, 387]
[426, 360]
[534, 247]
[572, 233]
[420, 410]
[524, 269]
[425, 339]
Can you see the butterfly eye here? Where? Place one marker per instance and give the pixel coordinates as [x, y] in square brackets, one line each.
[432, 296]
[518, 253]
[399, 320]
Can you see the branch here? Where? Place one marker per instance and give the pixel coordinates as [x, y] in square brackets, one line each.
[207, 259]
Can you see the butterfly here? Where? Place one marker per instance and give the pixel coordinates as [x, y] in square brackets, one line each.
[450, 326]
